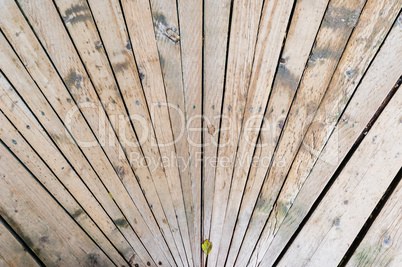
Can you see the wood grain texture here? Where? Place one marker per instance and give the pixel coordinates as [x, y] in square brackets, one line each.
[12, 252]
[240, 58]
[299, 40]
[323, 60]
[34, 215]
[140, 26]
[272, 31]
[216, 34]
[381, 246]
[47, 79]
[365, 41]
[349, 202]
[191, 41]
[373, 89]
[66, 178]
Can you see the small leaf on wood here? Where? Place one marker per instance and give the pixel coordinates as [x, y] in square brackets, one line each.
[206, 246]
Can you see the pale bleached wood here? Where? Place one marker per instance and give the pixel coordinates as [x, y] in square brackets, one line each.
[338, 23]
[39, 220]
[66, 178]
[349, 202]
[12, 252]
[60, 49]
[370, 32]
[243, 33]
[382, 244]
[140, 27]
[367, 98]
[39, 66]
[271, 34]
[191, 34]
[216, 31]
[299, 40]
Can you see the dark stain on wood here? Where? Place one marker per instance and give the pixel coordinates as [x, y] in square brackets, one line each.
[286, 78]
[77, 13]
[211, 129]
[73, 79]
[336, 18]
[77, 213]
[121, 66]
[121, 223]
[162, 28]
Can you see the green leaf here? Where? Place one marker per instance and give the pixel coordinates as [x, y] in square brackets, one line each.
[206, 246]
[111, 195]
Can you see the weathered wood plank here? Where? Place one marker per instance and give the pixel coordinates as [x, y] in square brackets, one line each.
[43, 225]
[367, 98]
[382, 244]
[112, 28]
[299, 40]
[12, 252]
[216, 31]
[271, 34]
[246, 16]
[140, 27]
[365, 41]
[349, 202]
[66, 178]
[168, 40]
[60, 49]
[338, 23]
[38, 65]
[191, 34]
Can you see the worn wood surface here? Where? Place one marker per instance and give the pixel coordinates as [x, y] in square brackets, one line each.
[381, 245]
[14, 252]
[40, 221]
[200, 133]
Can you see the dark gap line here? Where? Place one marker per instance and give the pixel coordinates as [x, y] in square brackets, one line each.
[340, 167]
[21, 241]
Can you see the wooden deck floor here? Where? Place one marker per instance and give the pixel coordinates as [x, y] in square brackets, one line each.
[200, 133]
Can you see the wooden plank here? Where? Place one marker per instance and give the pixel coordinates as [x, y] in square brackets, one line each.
[216, 32]
[45, 76]
[245, 16]
[168, 40]
[140, 27]
[191, 41]
[365, 41]
[34, 215]
[367, 98]
[12, 252]
[25, 123]
[112, 28]
[299, 40]
[271, 34]
[382, 244]
[59, 47]
[338, 23]
[66, 177]
[349, 202]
